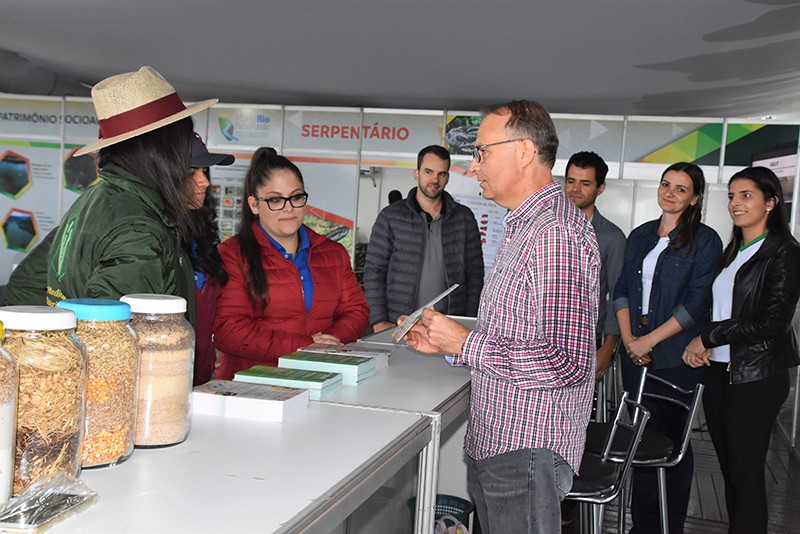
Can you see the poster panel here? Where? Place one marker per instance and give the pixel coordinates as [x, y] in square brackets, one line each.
[769, 144]
[461, 130]
[80, 129]
[30, 117]
[30, 172]
[652, 145]
[602, 135]
[331, 208]
[330, 130]
[387, 134]
[243, 126]
[490, 225]
[226, 189]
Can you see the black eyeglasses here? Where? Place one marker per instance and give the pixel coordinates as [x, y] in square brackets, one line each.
[477, 150]
[278, 203]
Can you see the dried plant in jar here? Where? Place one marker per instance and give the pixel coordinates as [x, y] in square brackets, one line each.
[8, 421]
[50, 403]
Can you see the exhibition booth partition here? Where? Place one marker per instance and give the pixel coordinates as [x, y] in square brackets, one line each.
[351, 158]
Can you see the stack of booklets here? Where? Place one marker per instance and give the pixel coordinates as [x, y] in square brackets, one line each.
[248, 401]
[364, 350]
[353, 369]
[318, 383]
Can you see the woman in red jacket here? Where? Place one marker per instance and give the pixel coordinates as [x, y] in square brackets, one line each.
[287, 286]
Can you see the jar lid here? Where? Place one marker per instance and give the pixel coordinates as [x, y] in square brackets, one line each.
[97, 309]
[37, 318]
[152, 303]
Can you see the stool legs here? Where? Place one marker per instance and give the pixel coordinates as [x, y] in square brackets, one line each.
[662, 499]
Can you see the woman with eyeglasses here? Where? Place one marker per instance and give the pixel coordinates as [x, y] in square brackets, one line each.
[663, 293]
[749, 345]
[287, 286]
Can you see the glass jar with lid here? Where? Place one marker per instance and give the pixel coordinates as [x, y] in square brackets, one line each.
[8, 421]
[112, 355]
[166, 343]
[51, 367]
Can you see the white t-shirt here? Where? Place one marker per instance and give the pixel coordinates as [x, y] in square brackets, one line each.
[649, 269]
[722, 291]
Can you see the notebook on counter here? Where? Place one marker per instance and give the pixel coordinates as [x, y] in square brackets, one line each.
[353, 369]
[365, 350]
[317, 383]
[242, 400]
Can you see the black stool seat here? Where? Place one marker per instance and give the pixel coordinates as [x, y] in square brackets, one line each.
[655, 446]
[597, 476]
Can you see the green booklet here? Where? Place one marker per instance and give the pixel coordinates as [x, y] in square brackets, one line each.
[317, 383]
[354, 369]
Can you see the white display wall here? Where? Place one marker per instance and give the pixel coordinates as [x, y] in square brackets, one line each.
[352, 157]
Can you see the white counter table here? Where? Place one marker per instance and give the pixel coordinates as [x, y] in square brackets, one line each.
[303, 475]
[307, 474]
[415, 383]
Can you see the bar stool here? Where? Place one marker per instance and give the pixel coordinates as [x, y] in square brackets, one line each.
[602, 477]
[656, 450]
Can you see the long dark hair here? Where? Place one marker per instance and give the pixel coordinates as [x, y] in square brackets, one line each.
[264, 163]
[777, 220]
[689, 220]
[160, 159]
[206, 258]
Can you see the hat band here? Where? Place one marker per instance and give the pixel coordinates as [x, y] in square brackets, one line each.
[141, 116]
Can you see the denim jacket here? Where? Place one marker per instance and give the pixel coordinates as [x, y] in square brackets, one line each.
[681, 287]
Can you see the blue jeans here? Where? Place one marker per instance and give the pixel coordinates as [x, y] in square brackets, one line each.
[520, 491]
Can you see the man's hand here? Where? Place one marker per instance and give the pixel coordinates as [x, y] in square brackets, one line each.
[604, 356]
[435, 333]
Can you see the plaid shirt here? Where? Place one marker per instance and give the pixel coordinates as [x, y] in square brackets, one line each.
[533, 349]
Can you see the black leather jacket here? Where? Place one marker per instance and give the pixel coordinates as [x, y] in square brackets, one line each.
[765, 293]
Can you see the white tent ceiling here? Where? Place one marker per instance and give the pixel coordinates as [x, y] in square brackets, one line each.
[626, 57]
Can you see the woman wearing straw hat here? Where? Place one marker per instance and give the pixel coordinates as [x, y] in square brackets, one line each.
[126, 234]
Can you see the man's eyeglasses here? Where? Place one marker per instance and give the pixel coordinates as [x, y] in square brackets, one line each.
[278, 203]
[477, 150]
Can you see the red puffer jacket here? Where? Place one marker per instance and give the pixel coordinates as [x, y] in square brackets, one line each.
[248, 337]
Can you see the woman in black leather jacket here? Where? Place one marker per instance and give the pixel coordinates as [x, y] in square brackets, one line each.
[749, 345]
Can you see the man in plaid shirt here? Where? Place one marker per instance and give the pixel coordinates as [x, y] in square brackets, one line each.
[532, 352]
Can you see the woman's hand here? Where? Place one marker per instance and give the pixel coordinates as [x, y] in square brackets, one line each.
[327, 339]
[639, 349]
[696, 354]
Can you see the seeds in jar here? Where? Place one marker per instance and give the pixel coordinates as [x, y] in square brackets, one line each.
[113, 358]
[165, 381]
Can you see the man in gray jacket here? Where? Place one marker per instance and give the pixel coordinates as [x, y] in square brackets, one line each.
[422, 245]
[585, 181]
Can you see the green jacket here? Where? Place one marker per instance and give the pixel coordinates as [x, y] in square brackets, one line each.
[115, 240]
[28, 282]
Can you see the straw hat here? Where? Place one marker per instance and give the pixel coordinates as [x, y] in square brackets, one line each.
[134, 103]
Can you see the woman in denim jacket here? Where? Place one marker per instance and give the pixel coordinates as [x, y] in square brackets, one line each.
[663, 293]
